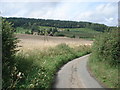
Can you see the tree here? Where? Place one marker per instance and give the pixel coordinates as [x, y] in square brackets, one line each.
[9, 45]
[35, 28]
[54, 30]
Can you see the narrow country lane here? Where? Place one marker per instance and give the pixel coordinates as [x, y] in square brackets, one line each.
[75, 75]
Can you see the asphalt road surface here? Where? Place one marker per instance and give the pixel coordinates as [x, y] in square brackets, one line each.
[75, 75]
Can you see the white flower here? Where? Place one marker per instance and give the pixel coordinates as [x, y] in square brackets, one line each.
[15, 68]
[19, 74]
[31, 85]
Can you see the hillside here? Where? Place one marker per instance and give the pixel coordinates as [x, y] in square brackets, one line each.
[72, 29]
[27, 22]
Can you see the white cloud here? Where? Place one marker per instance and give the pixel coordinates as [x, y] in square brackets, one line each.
[59, 0]
[107, 9]
[105, 13]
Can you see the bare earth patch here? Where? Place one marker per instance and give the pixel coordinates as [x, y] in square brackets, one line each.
[30, 42]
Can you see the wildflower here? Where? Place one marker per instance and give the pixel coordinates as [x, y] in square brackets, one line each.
[42, 72]
[31, 86]
[45, 75]
[18, 75]
[36, 84]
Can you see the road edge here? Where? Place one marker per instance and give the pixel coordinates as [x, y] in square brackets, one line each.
[92, 75]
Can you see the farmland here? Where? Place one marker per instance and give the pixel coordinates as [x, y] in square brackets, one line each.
[30, 42]
[72, 29]
[83, 33]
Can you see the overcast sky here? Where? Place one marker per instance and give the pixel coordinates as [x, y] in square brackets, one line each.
[97, 12]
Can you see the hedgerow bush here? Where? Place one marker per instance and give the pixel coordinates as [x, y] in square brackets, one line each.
[9, 45]
[106, 48]
[105, 58]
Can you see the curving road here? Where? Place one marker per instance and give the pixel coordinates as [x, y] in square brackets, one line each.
[75, 75]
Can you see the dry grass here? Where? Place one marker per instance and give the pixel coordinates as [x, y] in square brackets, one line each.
[30, 42]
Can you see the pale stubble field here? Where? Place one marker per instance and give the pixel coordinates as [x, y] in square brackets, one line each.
[30, 42]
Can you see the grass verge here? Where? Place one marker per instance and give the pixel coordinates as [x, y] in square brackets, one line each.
[104, 73]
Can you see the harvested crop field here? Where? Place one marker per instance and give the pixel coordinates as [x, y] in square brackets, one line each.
[30, 42]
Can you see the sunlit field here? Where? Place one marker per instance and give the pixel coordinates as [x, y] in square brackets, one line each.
[30, 42]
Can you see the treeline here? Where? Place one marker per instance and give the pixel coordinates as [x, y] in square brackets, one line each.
[28, 22]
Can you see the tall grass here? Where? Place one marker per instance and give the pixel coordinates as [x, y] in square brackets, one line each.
[104, 60]
[38, 68]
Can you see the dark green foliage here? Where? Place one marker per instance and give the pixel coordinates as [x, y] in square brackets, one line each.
[34, 27]
[68, 30]
[9, 45]
[27, 22]
[106, 48]
[52, 31]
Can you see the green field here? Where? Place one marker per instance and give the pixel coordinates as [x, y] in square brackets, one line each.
[79, 33]
[85, 33]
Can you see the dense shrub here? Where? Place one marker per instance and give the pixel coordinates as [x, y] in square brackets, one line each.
[9, 44]
[106, 48]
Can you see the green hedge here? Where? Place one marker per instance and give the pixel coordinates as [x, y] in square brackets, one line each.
[106, 47]
[105, 58]
[9, 45]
